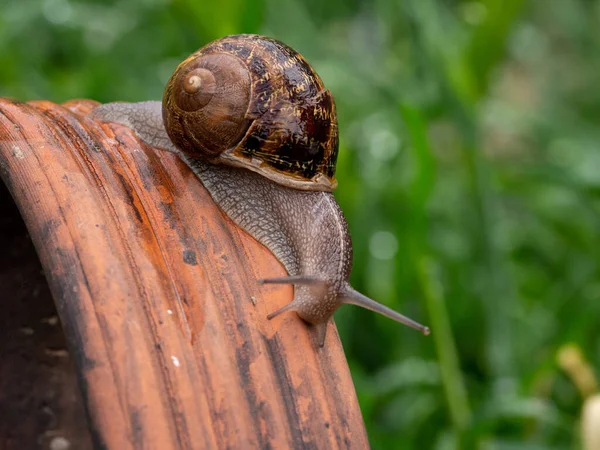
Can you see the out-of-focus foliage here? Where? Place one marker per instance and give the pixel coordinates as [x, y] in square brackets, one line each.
[469, 171]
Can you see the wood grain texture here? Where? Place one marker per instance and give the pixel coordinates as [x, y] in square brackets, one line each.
[158, 296]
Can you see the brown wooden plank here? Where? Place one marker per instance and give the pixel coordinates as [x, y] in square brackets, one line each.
[158, 297]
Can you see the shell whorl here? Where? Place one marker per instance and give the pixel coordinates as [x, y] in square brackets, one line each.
[205, 104]
[253, 102]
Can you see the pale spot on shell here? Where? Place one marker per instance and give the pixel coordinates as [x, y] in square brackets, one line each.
[193, 84]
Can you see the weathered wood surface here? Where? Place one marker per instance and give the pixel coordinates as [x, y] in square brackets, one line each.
[158, 297]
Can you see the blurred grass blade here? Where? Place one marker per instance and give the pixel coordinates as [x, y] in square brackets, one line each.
[217, 19]
[452, 380]
[488, 39]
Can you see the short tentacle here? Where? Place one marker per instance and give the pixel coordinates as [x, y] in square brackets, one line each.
[320, 331]
[289, 307]
[317, 287]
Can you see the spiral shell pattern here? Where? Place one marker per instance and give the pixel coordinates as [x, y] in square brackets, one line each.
[253, 102]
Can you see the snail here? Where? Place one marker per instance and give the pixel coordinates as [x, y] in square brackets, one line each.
[255, 123]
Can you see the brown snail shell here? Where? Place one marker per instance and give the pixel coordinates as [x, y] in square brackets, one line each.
[253, 102]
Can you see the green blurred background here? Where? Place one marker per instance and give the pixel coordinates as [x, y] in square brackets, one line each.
[469, 171]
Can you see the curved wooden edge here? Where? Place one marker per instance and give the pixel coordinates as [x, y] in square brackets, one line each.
[158, 296]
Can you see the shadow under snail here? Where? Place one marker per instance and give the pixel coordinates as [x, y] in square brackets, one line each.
[254, 122]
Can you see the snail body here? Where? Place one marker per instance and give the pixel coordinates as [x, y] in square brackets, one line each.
[267, 160]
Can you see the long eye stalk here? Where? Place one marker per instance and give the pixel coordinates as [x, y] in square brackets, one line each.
[352, 297]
